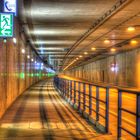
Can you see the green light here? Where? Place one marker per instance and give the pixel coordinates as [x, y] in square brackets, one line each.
[22, 75]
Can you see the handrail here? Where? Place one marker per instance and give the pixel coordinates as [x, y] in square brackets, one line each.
[105, 85]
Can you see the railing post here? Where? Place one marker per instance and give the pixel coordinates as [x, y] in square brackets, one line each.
[107, 110]
[79, 98]
[97, 103]
[74, 92]
[90, 99]
[84, 97]
[70, 90]
[138, 117]
[119, 113]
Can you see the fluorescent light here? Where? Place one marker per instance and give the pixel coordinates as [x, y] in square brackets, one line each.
[131, 29]
[28, 56]
[113, 50]
[15, 40]
[106, 41]
[23, 51]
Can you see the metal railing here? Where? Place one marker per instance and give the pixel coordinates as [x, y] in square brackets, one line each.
[135, 113]
[85, 97]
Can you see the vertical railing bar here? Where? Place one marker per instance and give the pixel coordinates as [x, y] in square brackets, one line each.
[138, 117]
[79, 97]
[97, 103]
[107, 110]
[84, 99]
[90, 99]
[119, 113]
[74, 92]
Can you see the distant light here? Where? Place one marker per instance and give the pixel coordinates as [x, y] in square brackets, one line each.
[5, 40]
[85, 53]
[80, 56]
[131, 29]
[42, 64]
[28, 56]
[77, 58]
[114, 68]
[23, 51]
[35, 62]
[133, 42]
[93, 49]
[15, 40]
[107, 41]
[32, 59]
[113, 50]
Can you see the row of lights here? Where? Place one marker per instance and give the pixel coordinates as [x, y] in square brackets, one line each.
[107, 41]
[28, 56]
[14, 40]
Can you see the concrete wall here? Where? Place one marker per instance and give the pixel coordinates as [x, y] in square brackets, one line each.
[17, 73]
[128, 73]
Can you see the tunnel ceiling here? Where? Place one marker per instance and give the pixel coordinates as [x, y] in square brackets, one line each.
[65, 32]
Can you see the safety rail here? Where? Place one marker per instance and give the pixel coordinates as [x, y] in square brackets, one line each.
[135, 113]
[81, 94]
[82, 97]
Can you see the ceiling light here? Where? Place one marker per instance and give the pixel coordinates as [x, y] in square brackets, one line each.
[5, 40]
[133, 42]
[15, 40]
[131, 29]
[28, 56]
[80, 56]
[85, 53]
[32, 59]
[106, 41]
[113, 50]
[93, 49]
[23, 51]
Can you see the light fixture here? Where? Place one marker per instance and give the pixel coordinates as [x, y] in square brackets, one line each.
[133, 42]
[32, 59]
[85, 53]
[23, 51]
[14, 40]
[28, 56]
[106, 41]
[80, 56]
[113, 50]
[42, 64]
[77, 58]
[93, 48]
[5, 40]
[131, 29]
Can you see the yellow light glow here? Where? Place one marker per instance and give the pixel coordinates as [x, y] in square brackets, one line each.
[77, 58]
[80, 56]
[131, 29]
[113, 50]
[107, 41]
[133, 42]
[93, 49]
[85, 53]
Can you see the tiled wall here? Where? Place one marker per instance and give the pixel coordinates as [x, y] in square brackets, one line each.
[17, 72]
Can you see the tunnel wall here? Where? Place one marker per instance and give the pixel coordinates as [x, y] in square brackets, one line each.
[128, 73]
[17, 72]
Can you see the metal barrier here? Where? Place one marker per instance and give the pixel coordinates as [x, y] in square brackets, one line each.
[81, 96]
[135, 113]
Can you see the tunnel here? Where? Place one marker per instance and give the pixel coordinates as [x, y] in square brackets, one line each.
[69, 70]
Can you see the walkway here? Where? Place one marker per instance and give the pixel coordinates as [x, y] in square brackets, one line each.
[41, 114]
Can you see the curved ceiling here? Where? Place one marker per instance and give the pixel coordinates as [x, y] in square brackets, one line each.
[62, 30]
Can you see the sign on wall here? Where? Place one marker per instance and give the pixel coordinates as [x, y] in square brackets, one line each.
[6, 25]
[10, 6]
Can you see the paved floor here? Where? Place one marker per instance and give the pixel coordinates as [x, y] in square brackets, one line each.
[41, 114]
